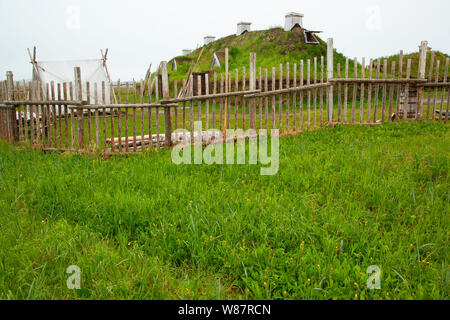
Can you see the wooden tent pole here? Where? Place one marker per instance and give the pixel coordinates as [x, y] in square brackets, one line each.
[106, 69]
[34, 63]
[191, 70]
[225, 118]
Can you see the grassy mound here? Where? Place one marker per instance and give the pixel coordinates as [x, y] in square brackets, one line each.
[273, 47]
[415, 63]
[141, 227]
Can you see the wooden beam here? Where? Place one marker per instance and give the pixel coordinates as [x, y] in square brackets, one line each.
[330, 55]
[166, 95]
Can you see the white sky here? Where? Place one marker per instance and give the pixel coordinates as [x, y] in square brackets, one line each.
[139, 32]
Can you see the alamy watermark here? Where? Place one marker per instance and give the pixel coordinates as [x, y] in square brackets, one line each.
[73, 21]
[74, 280]
[374, 280]
[235, 153]
[374, 20]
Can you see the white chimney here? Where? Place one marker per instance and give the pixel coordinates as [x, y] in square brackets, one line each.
[293, 19]
[186, 52]
[243, 27]
[209, 39]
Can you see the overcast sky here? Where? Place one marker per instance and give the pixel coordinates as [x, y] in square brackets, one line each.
[139, 32]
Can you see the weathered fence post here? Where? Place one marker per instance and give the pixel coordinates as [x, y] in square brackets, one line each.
[329, 76]
[252, 87]
[225, 107]
[13, 131]
[422, 71]
[79, 97]
[166, 95]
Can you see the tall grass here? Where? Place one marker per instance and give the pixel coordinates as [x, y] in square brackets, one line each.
[140, 227]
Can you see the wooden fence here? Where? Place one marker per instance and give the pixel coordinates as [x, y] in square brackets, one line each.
[292, 98]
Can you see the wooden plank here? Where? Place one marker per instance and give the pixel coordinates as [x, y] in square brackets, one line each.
[346, 91]
[355, 88]
[33, 112]
[158, 142]
[134, 118]
[443, 91]
[391, 91]
[363, 75]
[66, 117]
[199, 106]
[399, 87]
[436, 80]
[59, 117]
[308, 82]
[184, 114]
[280, 100]
[48, 117]
[266, 100]
[214, 104]
[294, 100]
[73, 124]
[226, 121]
[175, 94]
[40, 112]
[383, 103]
[252, 86]
[19, 112]
[315, 93]
[142, 110]
[127, 101]
[53, 116]
[88, 93]
[377, 92]
[243, 99]
[207, 103]
[273, 105]
[104, 114]
[80, 119]
[430, 78]
[339, 94]
[119, 116]
[369, 92]
[408, 74]
[301, 95]
[222, 104]
[260, 99]
[322, 70]
[288, 100]
[191, 111]
[112, 111]
[330, 72]
[149, 111]
[229, 103]
[199, 103]
[96, 118]
[236, 100]
[421, 75]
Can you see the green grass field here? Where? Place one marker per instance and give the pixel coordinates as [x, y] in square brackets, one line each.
[140, 227]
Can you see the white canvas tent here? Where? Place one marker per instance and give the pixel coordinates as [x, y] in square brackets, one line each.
[92, 70]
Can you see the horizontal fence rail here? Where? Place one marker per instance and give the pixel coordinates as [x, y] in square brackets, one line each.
[292, 97]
